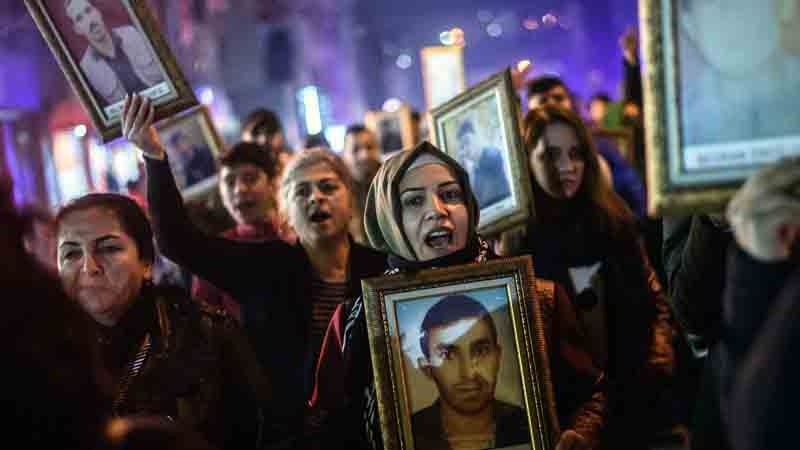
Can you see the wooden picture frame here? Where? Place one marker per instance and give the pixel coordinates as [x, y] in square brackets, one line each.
[442, 73]
[142, 59]
[394, 130]
[193, 146]
[399, 307]
[480, 129]
[709, 123]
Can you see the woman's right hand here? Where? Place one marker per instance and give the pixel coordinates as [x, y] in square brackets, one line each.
[137, 126]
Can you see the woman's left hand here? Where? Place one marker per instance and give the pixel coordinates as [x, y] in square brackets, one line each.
[571, 440]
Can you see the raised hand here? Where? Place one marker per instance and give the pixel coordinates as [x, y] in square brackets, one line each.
[630, 45]
[137, 126]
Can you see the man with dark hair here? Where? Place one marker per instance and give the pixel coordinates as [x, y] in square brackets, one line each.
[248, 193]
[462, 355]
[195, 163]
[40, 236]
[548, 90]
[263, 127]
[362, 155]
[484, 165]
[598, 108]
[117, 61]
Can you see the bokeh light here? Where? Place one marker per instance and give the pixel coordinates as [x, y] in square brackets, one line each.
[404, 61]
[494, 29]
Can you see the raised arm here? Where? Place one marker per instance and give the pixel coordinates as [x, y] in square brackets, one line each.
[236, 267]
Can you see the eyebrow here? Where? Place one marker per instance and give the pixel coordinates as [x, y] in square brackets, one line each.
[440, 185]
[99, 240]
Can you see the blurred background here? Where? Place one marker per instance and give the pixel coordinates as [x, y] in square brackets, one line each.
[335, 59]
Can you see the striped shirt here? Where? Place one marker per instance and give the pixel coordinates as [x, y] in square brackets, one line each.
[325, 297]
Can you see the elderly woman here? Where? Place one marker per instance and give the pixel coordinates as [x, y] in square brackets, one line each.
[287, 292]
[585, 238]
[164, 356]
[421, 210]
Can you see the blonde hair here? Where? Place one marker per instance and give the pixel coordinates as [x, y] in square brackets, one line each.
[304, 160]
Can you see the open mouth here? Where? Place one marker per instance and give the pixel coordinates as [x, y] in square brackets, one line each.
[320, 216]
[245, 205]
[439, 238]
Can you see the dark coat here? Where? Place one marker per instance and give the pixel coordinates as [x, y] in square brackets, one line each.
[764, 369]
[640, 349]
[272, 280]
[511, 426]
[489, 181]
[694, 255]
[199, 369]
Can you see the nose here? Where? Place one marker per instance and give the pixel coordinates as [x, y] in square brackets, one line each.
[564, 163]
[435, 208]
[467, 367]
[239, 186]
[90, 265]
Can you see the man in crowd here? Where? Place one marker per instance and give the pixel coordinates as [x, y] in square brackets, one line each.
[195, 163]
[484, 166]
[263, 127]
[117, 61]
[362, 155]
[462, 355]
[248, 194]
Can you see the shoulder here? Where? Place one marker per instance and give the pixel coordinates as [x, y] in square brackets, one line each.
[507, 411]
[126, 32]
[180, 305]
[370, 259]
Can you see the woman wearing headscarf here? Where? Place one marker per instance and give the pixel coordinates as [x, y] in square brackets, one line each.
[422, 212]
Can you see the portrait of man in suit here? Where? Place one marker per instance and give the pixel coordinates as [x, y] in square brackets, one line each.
[462, 355]
[484, 165]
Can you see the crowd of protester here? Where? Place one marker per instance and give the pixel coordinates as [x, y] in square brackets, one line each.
[267, 346]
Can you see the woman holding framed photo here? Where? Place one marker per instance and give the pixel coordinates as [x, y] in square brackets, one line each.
[422, 211]
[585, 238]
[287, 291]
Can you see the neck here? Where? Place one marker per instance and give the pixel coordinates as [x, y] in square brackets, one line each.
[456, 423]
[329, 257]
[105, 46]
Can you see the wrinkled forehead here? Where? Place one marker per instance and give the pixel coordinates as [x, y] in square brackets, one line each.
[88, 224]
[314, 173]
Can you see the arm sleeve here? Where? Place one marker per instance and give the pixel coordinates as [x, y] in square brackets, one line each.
[236, 267]
[694, 260]
[633, 82]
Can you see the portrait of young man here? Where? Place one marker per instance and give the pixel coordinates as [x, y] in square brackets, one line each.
[462, 355]
[484, 165]
[117, 60]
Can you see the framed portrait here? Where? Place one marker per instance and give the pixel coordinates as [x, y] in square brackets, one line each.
[193, 145]
[467, 340]
[395, 130]
[110, 48]
[442, 73]
[721, 82]
[480, 129]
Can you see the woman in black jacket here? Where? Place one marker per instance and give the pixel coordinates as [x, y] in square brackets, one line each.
[584, 237]
[288, 292]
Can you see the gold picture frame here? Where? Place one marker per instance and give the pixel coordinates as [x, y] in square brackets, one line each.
[701, 148]
[485, 118]
[148, 63]
[397, 306]
[442, 73]
[394, 130]
[193, 145]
